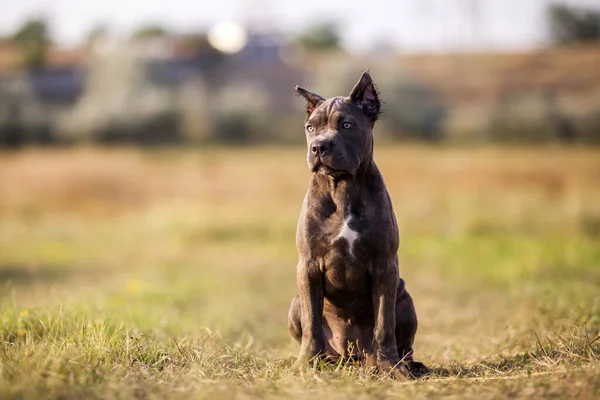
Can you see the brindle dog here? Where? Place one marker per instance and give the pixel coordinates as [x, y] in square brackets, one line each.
[351, 302]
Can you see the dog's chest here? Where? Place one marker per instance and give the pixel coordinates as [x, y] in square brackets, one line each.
[344, 265]
[348, 233]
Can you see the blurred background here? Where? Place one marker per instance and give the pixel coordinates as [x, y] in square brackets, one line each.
[152, 168]
[170, 72]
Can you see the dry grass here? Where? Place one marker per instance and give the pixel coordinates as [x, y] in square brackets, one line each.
[168, 273]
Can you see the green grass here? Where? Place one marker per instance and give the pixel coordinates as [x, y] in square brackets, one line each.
[126, 274]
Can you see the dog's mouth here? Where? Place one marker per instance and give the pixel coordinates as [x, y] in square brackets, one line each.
[321, 168]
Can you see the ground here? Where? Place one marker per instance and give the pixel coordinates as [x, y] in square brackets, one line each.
[168, 273]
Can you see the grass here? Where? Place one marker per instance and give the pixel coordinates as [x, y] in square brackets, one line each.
[168, 273]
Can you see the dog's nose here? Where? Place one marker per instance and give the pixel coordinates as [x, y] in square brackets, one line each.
[321, 147]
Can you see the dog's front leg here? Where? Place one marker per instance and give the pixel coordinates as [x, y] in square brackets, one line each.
[384, 277]
[310, 291]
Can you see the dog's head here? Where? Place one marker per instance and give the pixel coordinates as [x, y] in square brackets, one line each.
[339, 130]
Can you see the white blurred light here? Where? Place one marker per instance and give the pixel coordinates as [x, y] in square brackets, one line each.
[228, 37]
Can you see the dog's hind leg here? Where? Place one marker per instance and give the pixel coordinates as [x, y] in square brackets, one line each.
[406, 328]
[294, 318]
[295, 329]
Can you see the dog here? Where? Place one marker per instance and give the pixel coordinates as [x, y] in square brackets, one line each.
[351, 302]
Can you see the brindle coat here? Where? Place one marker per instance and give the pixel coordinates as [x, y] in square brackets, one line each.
[351, 302]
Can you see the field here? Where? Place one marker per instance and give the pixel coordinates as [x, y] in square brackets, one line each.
[168, 273]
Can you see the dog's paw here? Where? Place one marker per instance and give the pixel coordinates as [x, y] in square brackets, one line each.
[392, 370]
[299, 365]
[310, 358]
[416, 369]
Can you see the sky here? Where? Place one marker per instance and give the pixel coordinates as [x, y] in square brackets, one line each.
[408, 25]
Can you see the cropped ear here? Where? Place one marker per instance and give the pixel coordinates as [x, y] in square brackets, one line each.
[365, 95]
[312, 100]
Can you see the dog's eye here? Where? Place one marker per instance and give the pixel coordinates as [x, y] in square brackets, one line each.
[310, 128]
[347, 125]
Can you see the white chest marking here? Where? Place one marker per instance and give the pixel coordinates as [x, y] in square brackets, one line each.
[347, 233]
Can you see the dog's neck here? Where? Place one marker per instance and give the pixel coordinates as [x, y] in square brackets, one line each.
[348, 191]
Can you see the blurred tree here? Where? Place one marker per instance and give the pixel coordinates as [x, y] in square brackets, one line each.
[570, 24]
[417, 112]
[150, 31]
[324, 36]
[32, 38]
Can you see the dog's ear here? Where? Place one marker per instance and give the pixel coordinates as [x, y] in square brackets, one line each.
[312, 100]
[365, 95]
